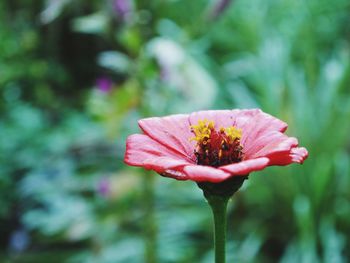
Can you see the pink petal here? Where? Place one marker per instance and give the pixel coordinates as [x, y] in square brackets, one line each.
[295, 155]
[201, 173]
[269, 143]
[243, 118]
[221, 118]
[226, 118]
[172, 131]
[245, 167]
[257, 125]
[143, 151]
[177, 173]
[161, 164]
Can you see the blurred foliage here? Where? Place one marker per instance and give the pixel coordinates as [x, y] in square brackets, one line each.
[75, 76]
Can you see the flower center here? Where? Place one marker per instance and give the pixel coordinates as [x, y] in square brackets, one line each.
[216, 148]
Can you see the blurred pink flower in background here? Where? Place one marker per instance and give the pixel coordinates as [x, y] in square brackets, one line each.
[104, 84]
[116, 186]
[103, 187]
[122, 8]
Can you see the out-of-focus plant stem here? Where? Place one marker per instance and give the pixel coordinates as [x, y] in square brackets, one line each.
[150, 226]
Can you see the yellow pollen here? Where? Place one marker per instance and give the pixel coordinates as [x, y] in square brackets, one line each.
[202, 131]
[233, 133]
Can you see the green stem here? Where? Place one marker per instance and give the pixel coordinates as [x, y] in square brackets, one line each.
[218, 205]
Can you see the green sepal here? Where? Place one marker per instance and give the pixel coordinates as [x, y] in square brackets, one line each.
[225, 188]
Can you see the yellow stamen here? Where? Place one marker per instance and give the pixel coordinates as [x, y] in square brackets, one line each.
[202, 131]
[233, 133]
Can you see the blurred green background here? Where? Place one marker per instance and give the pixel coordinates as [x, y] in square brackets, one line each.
[75, 76]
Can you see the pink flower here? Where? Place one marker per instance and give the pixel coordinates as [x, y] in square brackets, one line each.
[212, 146]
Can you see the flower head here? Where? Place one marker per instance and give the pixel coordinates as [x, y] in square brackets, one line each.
[212, 146]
